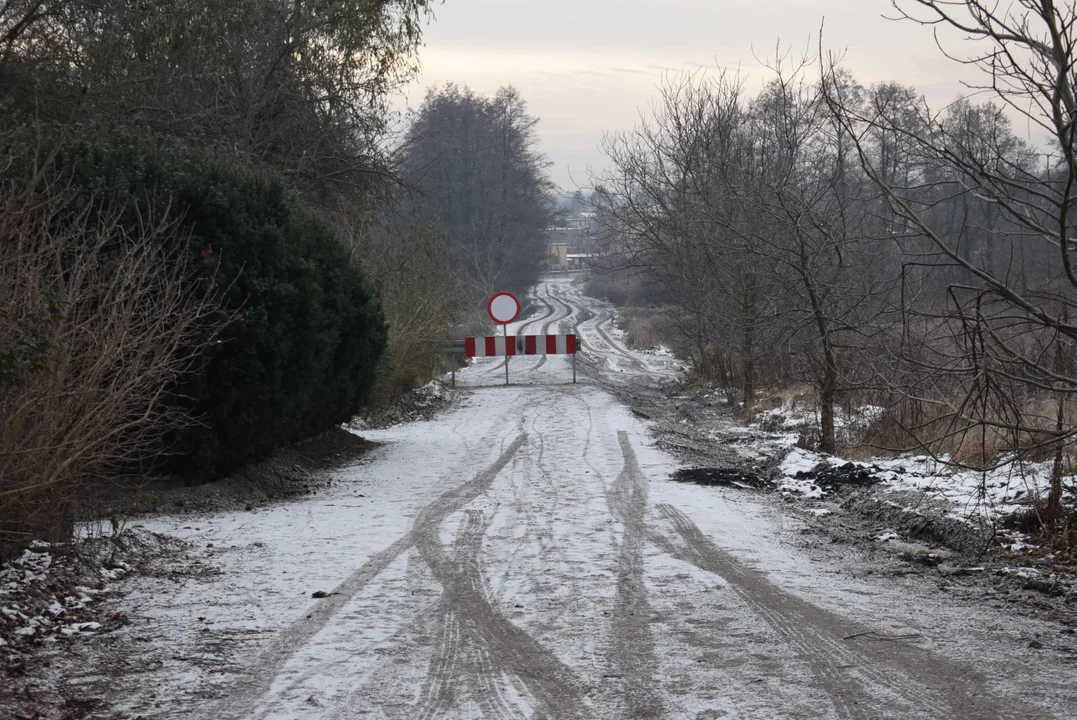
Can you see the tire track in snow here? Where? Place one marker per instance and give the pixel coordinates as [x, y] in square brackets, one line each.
[622, 352]
[486, 689]
[437, 692]
[937, 689]
[249, 691]
[701, 552]
[551, 497]
[520, 505]
[447, 670]
[567, 309]
[599, 358]
[484, 681]
[547, 320]
[550, 320]
[633, 645]
[508, 647]
[612, 349]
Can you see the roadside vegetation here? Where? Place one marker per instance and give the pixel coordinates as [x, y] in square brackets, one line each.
[851, 241]
[174, 294]
[217, 240]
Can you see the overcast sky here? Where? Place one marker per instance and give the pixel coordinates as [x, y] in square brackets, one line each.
[589, 66]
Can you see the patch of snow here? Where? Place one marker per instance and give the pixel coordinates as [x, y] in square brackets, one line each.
[801, 461]
[802, 488]
[974, 496]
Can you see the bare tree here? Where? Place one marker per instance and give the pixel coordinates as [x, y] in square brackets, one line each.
[1010, 322]
[666, 211]
[478, 174]
[752, 218]
[813, 228]
[300, 87]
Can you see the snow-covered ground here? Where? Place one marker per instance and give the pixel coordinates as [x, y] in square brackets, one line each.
[974, 496]
[525, 555]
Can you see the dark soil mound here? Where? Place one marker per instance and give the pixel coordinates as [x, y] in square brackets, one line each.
[832, 477]
[724, 477]
[288, 472]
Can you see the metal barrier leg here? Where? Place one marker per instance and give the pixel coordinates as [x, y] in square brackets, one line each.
[576, 332]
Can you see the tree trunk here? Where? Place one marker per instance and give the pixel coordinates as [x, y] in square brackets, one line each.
[701, 346]
[826, 412]
[829, 385]
[1054, 497]
[747, 346]
[747, 352]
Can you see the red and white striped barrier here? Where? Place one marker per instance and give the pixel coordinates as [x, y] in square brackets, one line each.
[496, 346]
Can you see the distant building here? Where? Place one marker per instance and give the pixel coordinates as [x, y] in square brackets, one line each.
[578, 260]
[573, 243]
[558, 258]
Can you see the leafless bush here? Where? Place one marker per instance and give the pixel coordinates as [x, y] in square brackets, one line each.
[621, 289]
[796, 396]
[914, 424]
[96, 323]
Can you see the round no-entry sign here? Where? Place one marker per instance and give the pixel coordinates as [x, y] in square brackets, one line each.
[503, 308]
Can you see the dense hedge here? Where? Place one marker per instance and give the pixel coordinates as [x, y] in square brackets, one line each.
[301, 353]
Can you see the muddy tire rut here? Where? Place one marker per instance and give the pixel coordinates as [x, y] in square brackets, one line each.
[503, 646]
[631, 653]
[250, 690]
[888, 680]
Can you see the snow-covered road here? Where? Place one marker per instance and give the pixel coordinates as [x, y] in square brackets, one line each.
[524, 555]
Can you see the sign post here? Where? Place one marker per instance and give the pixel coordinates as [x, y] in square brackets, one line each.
[452, 350]
[576, 330]
[503, 309]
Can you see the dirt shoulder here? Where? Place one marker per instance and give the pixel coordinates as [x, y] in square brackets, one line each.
[55, 596]
[287, 473]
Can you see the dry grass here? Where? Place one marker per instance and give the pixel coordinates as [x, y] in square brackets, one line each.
[910, 425]
[907, 425]
[420, 297]
[1054, 532]
[894, 434]
[797, 397]
[644, 328]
